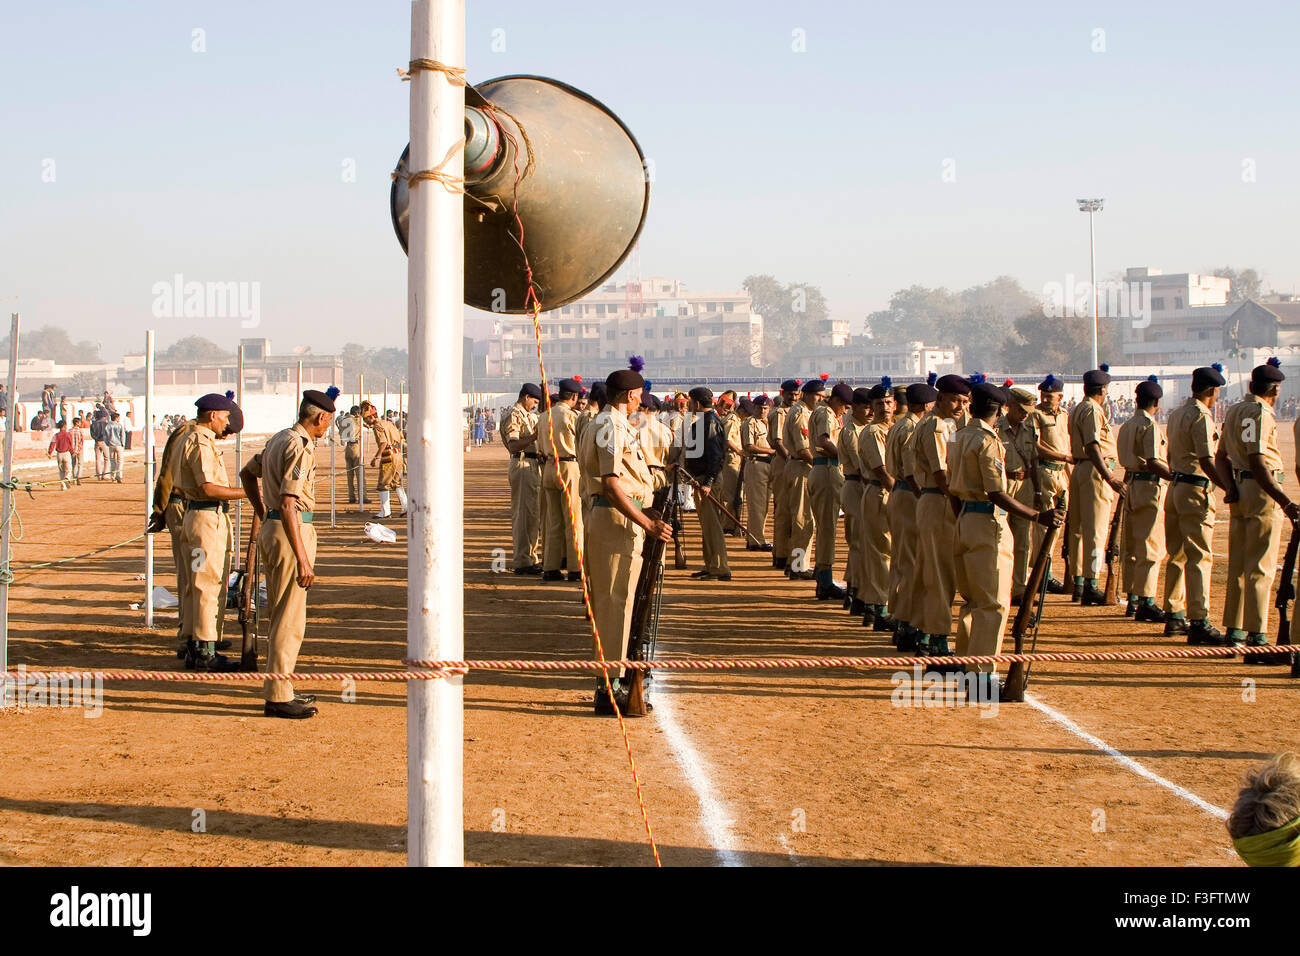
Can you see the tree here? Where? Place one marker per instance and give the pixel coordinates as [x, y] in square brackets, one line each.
[1246, 283]
[53, 343]
[87, 384]
[915, 314]
[194, 348]
[792, 315]
[375, 364]
[1062, 346]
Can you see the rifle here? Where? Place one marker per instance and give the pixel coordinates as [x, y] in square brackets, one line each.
[1285, 595]
[643, 634]
[1031, 606]
[248, 603]
[1112, 551]
[740, 485]
[679, 530]
[721, 507]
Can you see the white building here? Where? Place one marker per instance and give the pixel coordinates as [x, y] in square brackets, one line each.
[1177, 319]
[860, 358]
[679, 333]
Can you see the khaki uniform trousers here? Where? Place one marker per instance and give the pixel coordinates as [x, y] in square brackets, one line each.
[984, 549]
[800, 504]
[1055, 485]
[712, 540]
[614, 566]
[1254, 533]
[352, 461]
[286, 603]
[874, 544]
[1089, 521]
[824, 493]
[1144, 537]
[851, 502]
[207, 545]
[1189, 526]
[174, 516]
[903, 554]
[390, 474]
[936, 532]
[725, 491]
[1021, 535]
[559, 534]
[526, 511]
[758, 491]
[779, 477]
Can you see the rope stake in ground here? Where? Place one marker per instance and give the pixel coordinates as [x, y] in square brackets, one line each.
[432, 670]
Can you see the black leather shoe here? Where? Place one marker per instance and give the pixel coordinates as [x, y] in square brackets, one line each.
[1077, 594]
[1202, 632]
[701, 575]
[1055, 587]
[724, 576]
[1092, 597]
[195, 660]
[859, 606]
[1015, 600]
[884, 622]
[552, 575]
[575, 575]
[223, 645]
[848, 599]
[530, 569]
[1149, 613]
[1175, 625]
[801, 575]
[305, 698]
[289, 709]
[829, 593]
[779, 564]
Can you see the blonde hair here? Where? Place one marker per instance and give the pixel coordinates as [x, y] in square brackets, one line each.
[1270, 799]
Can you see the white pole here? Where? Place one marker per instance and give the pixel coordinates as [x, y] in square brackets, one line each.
[383, 412]
[1096, 320]
[361, 448]
[5, 499]
[148, 475]
[334, 440]
[434, 297]
[297, 395]
[239, 400]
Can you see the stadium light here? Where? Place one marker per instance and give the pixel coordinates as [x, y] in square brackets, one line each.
[1091, 207]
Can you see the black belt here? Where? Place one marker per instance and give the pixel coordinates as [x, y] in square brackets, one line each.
[1053, 465]
[1187, 479]
[600, 501]
[905, 485]
[931, 491]
[529, 454]
[852, 477]
[1250, 476]
[175, 496]
[878, 484]
[981, 507]
[826, 461]
[1144, 476]
[306, 517]
[567, 458]
[765, 458]
[222, 506]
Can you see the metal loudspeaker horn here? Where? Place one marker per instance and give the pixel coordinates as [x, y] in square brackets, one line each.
[570, 169]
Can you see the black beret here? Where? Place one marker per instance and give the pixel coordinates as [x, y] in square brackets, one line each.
[789, 385]
[1098, 376]
[701, 394]
[813, 385]
[1267, 373]
[570, 386]
[843, 392]
[761, 400]
[598, 393]
[215, 402]
[322, 400]
[952, 385]
[1051, 384]
[531, 391]
[1148, 390]
[746, 405]
[919, 393]
[1208, 376]
[236, 424]
[624, 380]
[989, 394]
[877, 392]
[863, 396]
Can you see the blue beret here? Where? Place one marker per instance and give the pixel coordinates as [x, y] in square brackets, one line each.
[921, 393]
[843, 391]
[1051, 384]
[789, 385]
[1208, 376]
[531, 391]
[813, 385]
[215, 402]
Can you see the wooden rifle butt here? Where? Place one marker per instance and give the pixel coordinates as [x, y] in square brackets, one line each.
[635, 694]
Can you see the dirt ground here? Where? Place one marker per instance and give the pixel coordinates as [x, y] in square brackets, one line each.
[757, 768]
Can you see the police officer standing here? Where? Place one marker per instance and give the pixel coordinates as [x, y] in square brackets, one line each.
[781, 523]
[704, 450]
[350, 434]
[388, 456]
[1093, 485]
[824, 486]
[286, 504]
[206, 531]
[874, 537]
[851, 496]
[759, 456]
[904, 554]
[1190, 509]
[1144, 455]
[1248, 455]
[519, 432]
[1052, 455]
[798, 470]
[619, 483]
[557, 443]
[1020, 443]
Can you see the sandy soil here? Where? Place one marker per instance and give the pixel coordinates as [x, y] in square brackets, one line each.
[793, 768]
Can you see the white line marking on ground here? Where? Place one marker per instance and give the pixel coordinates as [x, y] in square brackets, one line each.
[1127, 761]
[716, 819]
[794, 857]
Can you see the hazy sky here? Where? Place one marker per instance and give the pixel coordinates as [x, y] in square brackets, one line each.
[825, 166]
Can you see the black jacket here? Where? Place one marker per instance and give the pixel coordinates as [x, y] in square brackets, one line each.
[705, 445]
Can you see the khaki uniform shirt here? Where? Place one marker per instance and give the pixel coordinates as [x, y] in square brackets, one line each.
[1250, 428]
[610, 446]
[169, 466]
[1140, 439]
[897, 456]
[565, 430]
[287, 466]
[1192, 436]
[583, 420]
[776, 426]
[1018, 445]
[1052, 428]
[977, 463]
[930, 448]
[201, 463]
[795, 432]
[1088, 424]
[389, 439]
[823, 421]
[754, 432]
[872, 441]
[520, 423]
[731, 433]
[848, 447]
[656, 440]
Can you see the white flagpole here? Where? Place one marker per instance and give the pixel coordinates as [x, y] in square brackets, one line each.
[148, 475]
[6, 499]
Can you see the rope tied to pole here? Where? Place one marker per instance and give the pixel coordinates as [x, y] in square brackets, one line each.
[455, 74]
